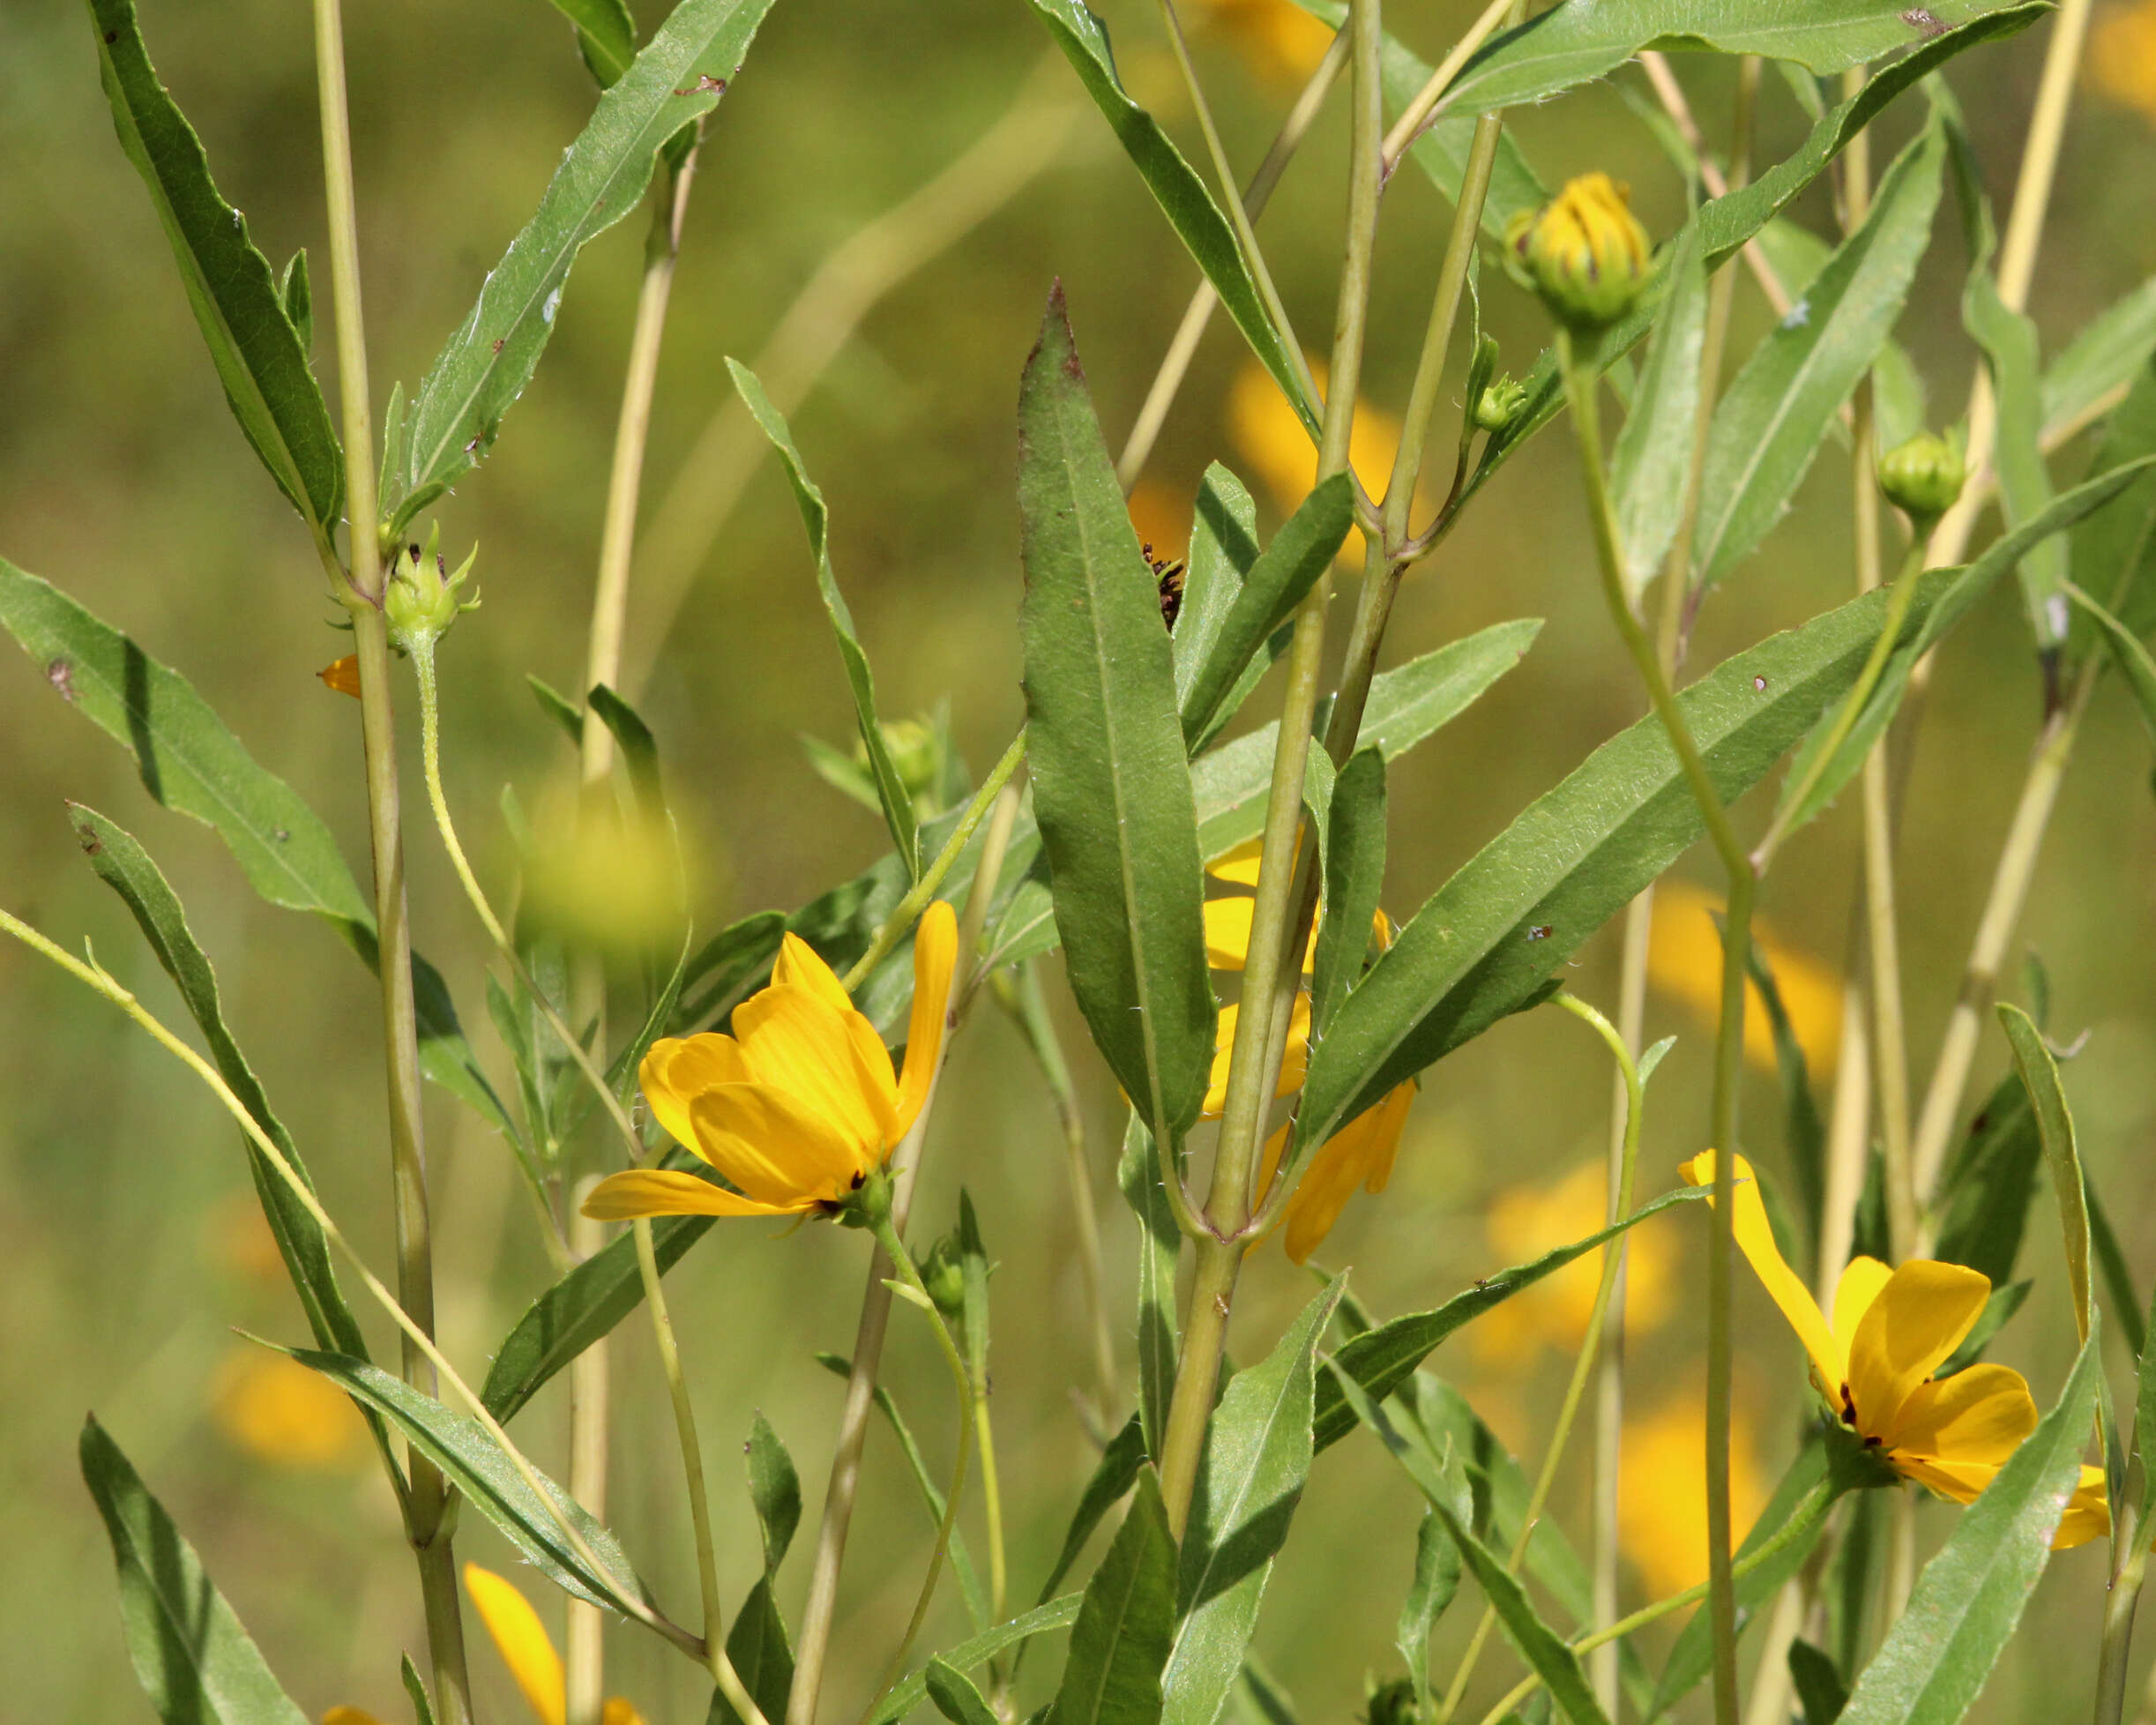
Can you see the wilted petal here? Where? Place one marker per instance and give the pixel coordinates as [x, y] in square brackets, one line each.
[1919, 1317]
[522, 1641]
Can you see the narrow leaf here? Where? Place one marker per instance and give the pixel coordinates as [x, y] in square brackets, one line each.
[955, 1696]
[1223, 550]
[2008, 340]
[1112, 1479]
[606, 35]
[1106, 751]
[2127, 653]
[1141, 1176]
[2111, 350]
[1985, 1193]
[2054, 1125]
[1355, 862]
[415, 1689]
[816, 517]
[909, 1693]
[1817, 1681]
[2112, 550]
[259, 355]
[1651, 465]
[191, 1654]
[1436, 1579]
[1803, 1131]
[762, 1659]
[774, 1488]
[1120, 1642]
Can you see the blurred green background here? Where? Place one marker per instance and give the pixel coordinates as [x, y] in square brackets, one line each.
[126, 1254]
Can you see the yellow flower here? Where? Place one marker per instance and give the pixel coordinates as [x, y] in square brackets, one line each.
[799, 1106]
[1537, 1216]
[1684, 962]
[1584, 252]
[1277, 37]
[527, 1649]
[2122, 57]
[1662, 1491]
[278, 1409]
[1890, 1330]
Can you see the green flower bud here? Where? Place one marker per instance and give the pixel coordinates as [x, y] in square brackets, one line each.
[1390, 1703]
[1582, 252]
[1922, 477]
[1500, 404]
[943, 1273]
[422, 599]
[915, 751]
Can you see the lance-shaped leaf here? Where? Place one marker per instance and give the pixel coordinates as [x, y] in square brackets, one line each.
[1772, 421]
[1355, 862]
[484, 367]
[606, 35]
[473, 1462]
[2113, 548]
[1175, 187]
[1223, 550]
[1803, 1131]
[1273, 586]
[1581, 40]
[816, 517]
[259, 356]
[1435, 1582]
[123, 865]
[1651, 465]
[1490, 938]
[912, 1691]
[1120, 1642]
[2127, 653]
[2054, 1126]
[1140, 1175]
[190, 762]
[1257, 1457]
[1111, 790]
[1116, 1474]
[955, 1696]
[756, 1644]
[1985, 1195]
[1381, 1360]
[194, 1659]
[1937, 1653]
[2109, 353]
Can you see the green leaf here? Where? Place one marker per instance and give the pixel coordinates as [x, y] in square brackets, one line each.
[1817, 1681]
[1436, 1578]
[123, 865]
[974, 1271]
[774, 1488]
[1223, 550]
[1693, 1656]
[1120, 1642]
[484, 367]
[1141, 1176]
[1969, 1598]
[1381, 1360]
[258, 350]
[1540, 1645]
[191, 1654]
[2110, 351]
[1775, 414]
[2127, 653]
[1256, 1459]
[816, 517]
[190, 763]
[1572, 860]
[1116, 1474]
[558, 707]
[2009, 342]
[1803, 1133]
[580, 1308]
[1111, 792]
[2054, 1125]
[1175, 187]
[2113, 548]
[2118, 1276]
[1582, 39]
[1984, 1196]
[295, 293]
[414, 1687]
[756, 1644]
[2145, 1413]
[639, 749]
[955, 1696]
[1355, 861]
[1651, 467]
[909, 1693]
[476, 1466]
[606, 35]
[1273, 588]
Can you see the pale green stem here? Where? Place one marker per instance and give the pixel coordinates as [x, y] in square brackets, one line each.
[1814, 1503]
[584, 1670]
[894, 1249]
[2130, 1566]
[1729, 1043]
[908, 909]
[104, 984]
[1424, 107]
[1590, 1344]
[426, 1498]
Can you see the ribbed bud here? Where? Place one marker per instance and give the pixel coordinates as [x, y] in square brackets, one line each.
[1922, 477]
[1582, 252]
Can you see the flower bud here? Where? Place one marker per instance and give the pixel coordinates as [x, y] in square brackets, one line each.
[943, 1273]
[1582, 252]
[916, 751]
[1391, 1703]
[1500, 404]
[1922, 477]
[422, 598]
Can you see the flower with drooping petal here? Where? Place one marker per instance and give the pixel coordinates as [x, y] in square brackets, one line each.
[1873, 1363]
[799, 1106]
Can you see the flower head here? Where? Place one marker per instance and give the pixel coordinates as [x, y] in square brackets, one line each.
[1922, 475]
[422, 599]
[799, 1106]
[1584, 252]
[1873, 1363]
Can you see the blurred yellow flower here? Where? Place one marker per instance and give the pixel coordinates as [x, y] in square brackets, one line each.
[799, 1105]
[1890, 1330]
[1684, 963]
[1525, 1220]
[280, 1411]
[527, 1650]
[1662, 1491]
[237, 1237]
[2122, 57]
[1275, 448]
[1278, 39]
[1161, 515]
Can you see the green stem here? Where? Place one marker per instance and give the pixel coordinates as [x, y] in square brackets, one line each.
[1427, 103]
[1590, 1344]
[2119, 1616]
[584, 1669]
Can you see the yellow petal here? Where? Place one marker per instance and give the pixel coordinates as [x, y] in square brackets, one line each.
[667, 1191]
[798, 966]
[1960, 1481]
[794, 1041]
[775, 1148]
[342, 1715]
[522, 1641]
[1239, 866]
[1858, 1287]
[1227, 935]
[1918, 1319]
[1979, 1415]
[2088, 1513]
[618, 1712]
[1358, 1154]
[1756, 1240]
[677, 1068]
[1294, 1062]
[936, 955]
